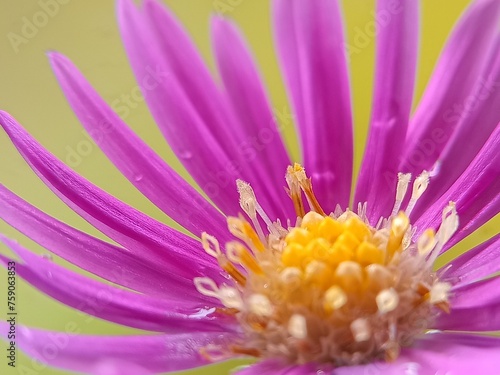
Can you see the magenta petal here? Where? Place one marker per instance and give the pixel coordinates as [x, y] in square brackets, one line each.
[190, 109]
[98, 354]
[245, 91]
[112, 303]
[475, 194]
[105, 260]
[140, 234]
[474, 307]
[461, 68]
[178, 117]
[475, 264]
[397, 47]
[311, 45]
[135, 159]
[477, 123]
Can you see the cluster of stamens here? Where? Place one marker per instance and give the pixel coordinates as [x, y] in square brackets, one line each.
[332, 288]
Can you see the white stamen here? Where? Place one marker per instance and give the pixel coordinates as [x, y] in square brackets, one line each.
[449, 225]
[362, 208]
[259, 304]
[210, 245]
[419, 187]
[248, 201]
[387, 300]
[426, 242]
[206, 286]
[403, 181]
[250, 205]
[338, 211]
[230, 297]
[360, 330]
[232, 252]
[439, 292]
[297, 326]
[311, 217]
[335, 298]
[350, 270]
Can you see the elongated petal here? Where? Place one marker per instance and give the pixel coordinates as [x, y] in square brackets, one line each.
[475, 264]
[135, 159]
[245, 91]
[474, 307]
[479, 119]
[98, 354]
[310, 42]
[137, 232]
[105, 260]
[109, 302]
[397, 46]
[475, 194]
[454, 80]
[190, 109]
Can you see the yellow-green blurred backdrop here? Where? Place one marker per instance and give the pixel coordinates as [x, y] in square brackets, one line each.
[86, 31]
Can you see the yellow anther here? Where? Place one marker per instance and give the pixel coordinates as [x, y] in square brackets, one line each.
[329, 229]
[357, 228]
[299, 236]
[318, 249]
[293, 255]
[339, 253]
[334, 299]
[238, 253]
[399, 226]
[368, 253]
[348, 239]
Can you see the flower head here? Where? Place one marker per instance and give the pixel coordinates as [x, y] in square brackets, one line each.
[299, 279]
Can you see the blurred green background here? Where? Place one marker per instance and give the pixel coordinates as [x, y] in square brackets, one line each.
[86, 31]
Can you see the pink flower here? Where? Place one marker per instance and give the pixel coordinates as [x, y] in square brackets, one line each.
[311, 286]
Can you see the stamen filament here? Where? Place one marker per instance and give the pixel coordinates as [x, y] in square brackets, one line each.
[231, 269]
[237, 253]
[419, 187]
[403, 181]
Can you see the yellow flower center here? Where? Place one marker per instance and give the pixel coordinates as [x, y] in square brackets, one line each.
[331, 289]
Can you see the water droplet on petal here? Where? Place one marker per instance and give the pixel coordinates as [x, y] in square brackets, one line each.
[49, 274]
[138, 177]
[47, 256]
[185, 155]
